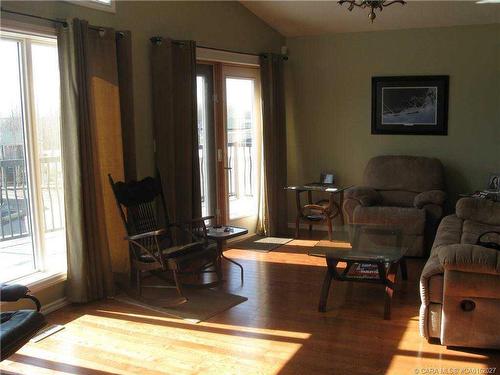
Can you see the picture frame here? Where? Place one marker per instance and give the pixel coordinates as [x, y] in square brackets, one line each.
[410, 105]
[493, 183]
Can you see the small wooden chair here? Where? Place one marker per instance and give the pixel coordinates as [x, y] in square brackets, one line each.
[156, 246]
[321, 212]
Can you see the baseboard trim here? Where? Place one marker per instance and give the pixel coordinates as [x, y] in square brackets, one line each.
[55, 305]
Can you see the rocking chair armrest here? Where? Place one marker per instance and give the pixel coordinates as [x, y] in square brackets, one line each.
[139, 236]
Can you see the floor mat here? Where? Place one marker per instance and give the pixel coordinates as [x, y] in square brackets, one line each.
[260, 243]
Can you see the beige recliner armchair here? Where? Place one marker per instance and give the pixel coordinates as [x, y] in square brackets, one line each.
[460, 283]
[403, 191]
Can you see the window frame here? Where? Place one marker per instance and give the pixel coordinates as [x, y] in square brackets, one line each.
[95, 4]
[41, 276]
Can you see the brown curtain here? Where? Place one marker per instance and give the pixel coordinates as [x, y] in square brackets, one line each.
[96, 113]
[173, 68]
[124, 60]
[273, 211]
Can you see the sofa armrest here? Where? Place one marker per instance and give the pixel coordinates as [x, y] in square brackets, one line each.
[436, 197]
[458, 257]
[366, 196]
[358, 196]
[469, 258]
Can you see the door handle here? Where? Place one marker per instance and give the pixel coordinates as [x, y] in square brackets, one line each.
[228, 168]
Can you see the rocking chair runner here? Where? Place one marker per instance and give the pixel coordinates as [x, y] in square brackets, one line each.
[175, 246]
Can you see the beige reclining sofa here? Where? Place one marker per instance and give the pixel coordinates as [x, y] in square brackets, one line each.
[460, 283]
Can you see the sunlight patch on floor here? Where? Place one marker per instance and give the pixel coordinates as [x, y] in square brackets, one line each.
[428, 357]
[335, 244]
[207, 346]
[222, 327]
[275, 256]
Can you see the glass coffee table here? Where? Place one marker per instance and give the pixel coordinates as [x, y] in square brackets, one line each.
[372, 254]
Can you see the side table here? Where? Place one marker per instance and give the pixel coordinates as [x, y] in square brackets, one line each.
[221, 235]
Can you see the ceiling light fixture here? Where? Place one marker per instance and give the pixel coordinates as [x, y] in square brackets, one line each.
[372, 4]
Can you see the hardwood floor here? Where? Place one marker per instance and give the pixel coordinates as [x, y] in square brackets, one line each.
[277, 331]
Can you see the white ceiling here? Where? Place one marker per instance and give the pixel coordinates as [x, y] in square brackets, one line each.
[302, 18]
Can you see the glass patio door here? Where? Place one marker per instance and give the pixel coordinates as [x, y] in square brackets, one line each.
[230, 142]
[242, 125]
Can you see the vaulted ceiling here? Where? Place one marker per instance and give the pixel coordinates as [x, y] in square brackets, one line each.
[302, 18]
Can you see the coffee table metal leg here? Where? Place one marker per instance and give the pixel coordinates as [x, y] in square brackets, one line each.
[389, 288]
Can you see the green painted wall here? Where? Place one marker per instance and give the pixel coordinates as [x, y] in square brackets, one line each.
[329, 113]
[223, 24]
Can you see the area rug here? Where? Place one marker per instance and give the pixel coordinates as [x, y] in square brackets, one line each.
[260, 243]
[202, 304]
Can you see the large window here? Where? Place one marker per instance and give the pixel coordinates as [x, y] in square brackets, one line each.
[32, 232]
[106, 5]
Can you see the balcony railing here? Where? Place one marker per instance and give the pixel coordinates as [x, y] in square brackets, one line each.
[14, 197]
[239, 156]
[13, 200]
[241, 168]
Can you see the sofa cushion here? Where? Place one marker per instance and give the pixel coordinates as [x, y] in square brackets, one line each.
[471, 231]
[409, 220]
[410, 173]
[481, 210]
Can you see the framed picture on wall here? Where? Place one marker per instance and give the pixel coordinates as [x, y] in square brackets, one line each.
[410, 105]
[494, 183]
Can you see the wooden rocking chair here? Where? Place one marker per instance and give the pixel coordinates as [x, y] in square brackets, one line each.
[156, 246]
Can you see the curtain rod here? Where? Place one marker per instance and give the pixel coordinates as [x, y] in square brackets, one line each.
[62, 22]
[228, 50]
[158, 40]
[55, 20]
